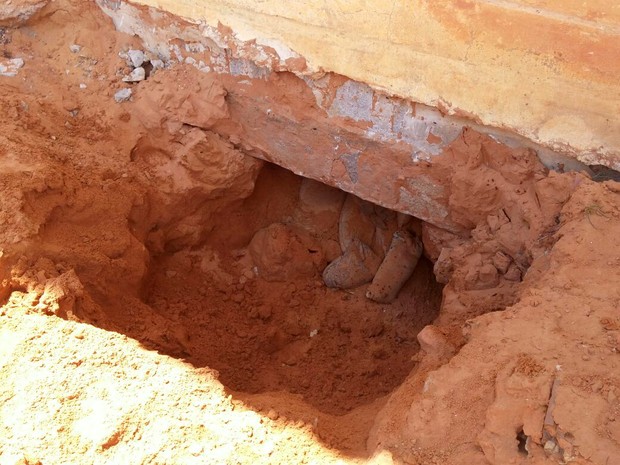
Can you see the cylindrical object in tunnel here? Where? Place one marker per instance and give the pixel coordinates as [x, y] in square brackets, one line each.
[355, 267]
[397, 267]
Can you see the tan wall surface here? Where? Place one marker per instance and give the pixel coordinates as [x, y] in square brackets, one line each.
[548, 70]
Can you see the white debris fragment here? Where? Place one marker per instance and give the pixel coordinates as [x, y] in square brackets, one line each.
[9, 68]
[177, 52]
[137, 75]
[196, 47]
[75, 48]
[136, 58]
[202, 66]
[158, 64]
[83, 86]
[122, 95]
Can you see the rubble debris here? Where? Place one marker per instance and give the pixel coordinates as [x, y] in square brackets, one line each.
[122, 95]
[137, 75]
[9, 68]
[136, 58]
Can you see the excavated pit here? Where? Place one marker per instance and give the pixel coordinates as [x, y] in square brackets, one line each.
[265, 320]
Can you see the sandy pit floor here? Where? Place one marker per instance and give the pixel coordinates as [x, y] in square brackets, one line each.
[162, 299]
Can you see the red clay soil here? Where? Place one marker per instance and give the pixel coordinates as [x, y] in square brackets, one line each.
[144, 320]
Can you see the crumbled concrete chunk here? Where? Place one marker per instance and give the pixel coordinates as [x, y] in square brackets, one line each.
[137, 75]
[9, 67]
[158, 64]
[122, 95]
[136, 58]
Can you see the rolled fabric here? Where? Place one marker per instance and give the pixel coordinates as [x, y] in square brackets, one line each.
[397, 267]
[355, 267]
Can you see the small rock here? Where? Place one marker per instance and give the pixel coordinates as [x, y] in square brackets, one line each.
[158, 64]
[551, 446]
[273, 415]
[136, 58]
[122, 95]
[137, 75]
[83, 86]
[434, 342]
[75, 48]
[9, 68]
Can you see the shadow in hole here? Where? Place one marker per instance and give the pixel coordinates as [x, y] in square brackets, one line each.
[301, 353]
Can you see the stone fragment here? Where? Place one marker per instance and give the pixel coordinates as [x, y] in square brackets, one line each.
[9, 68]
[397, 267]
[60, 294]
[551, 446]
[122, 95]
[158, 64]
[137, 75]
[434, 342]
[75, 48]
[355, 267]
[136, 58]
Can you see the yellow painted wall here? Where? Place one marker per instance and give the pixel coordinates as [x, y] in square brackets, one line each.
[549, 70]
